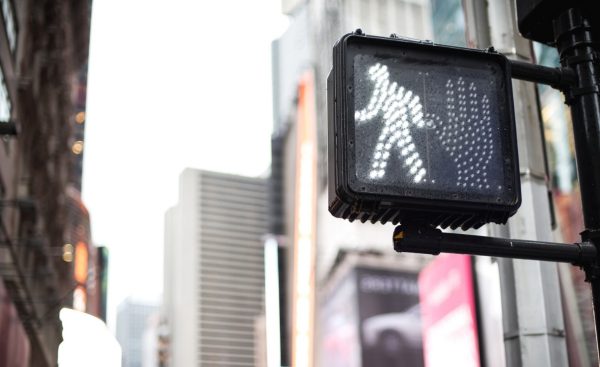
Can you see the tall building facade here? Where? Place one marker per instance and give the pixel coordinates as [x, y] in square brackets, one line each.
[315, 26]
[132, 320]
[43, 61]
[307, 46]
[302, 59]
[214, 268]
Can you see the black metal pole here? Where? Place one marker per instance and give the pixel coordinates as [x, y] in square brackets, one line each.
[575, 44]
[428, 240]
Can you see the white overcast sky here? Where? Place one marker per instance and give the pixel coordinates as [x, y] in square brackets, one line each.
[171, 84]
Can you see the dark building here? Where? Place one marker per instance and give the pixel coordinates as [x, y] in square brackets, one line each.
[89, 261]
[43, 61]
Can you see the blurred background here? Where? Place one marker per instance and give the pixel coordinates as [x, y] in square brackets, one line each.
[163, 194]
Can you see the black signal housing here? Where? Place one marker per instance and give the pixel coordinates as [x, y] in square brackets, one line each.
[421, 132]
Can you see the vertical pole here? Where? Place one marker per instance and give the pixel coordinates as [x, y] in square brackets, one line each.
[531, 306]
[575, 44]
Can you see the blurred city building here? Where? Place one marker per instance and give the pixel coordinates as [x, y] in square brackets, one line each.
[153, 342]
[43, 66]
[558, 132]
[214, 277]
[133, 318]
[89, 262]
[302, 59]
[311, 237]
[260, 340]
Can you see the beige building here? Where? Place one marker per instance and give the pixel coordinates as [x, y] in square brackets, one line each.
[214, 278]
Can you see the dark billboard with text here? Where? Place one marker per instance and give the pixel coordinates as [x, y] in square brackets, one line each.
[390, 320]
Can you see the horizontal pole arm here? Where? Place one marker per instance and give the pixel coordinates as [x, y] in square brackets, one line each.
[433, 241]
[556, 77]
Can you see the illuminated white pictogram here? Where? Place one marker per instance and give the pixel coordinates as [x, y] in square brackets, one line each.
[465, 134]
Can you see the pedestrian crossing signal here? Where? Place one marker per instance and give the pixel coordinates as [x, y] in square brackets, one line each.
[422, 132]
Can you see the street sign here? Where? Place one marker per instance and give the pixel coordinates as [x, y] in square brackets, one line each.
[422, 132]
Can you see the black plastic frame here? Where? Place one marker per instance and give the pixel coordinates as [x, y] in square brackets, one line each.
[352, 200]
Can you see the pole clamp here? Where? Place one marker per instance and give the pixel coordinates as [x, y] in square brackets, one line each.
[578, 59]
[591, 235]
[592, 270]
[588, 89]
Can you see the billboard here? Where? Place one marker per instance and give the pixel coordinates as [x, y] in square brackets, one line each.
[390, 320]
[447, 300]
[371, 317]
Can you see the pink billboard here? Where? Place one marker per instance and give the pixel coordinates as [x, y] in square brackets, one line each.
[447, 298]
